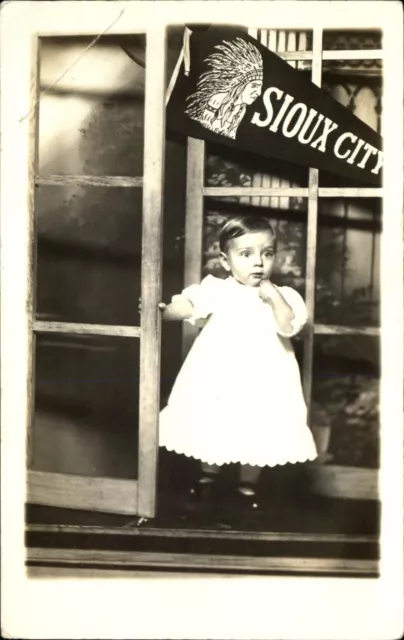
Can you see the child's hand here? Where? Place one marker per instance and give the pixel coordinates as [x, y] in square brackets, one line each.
[266, 290]
[162, 306]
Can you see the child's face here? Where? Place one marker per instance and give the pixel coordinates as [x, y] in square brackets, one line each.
[250, 257]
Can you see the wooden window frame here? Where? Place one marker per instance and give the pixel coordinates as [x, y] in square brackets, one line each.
[197, 191]
[112, 494]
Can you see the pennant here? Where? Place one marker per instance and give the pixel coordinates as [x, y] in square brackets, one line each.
[236, 92]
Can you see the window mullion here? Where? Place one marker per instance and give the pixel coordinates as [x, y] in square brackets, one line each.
[73, 328]
[31, 303]
[151, 279]
[293, 192]
[316, 73]
[66, 180]
[344, 54]
[194, 220]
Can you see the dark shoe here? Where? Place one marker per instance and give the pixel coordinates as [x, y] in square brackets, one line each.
[204, 489]
[247, 497]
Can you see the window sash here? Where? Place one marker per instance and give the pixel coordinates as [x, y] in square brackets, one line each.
[106, 494]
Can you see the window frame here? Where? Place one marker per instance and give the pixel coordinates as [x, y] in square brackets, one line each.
[197, 191]
[114, 495]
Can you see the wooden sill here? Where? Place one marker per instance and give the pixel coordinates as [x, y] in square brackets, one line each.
[54, 548]
[339, 481]
[54, 559]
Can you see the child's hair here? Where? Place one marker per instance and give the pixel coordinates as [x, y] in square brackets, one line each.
[241, 225]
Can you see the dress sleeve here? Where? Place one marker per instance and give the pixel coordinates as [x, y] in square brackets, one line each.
[297, 304]
[203, 297]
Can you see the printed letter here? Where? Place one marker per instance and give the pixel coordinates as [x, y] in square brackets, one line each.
[306, 125]
[329, 126]
[379, 165]
[303, 111]
[339, 142]
[287, 101]
[370, 150]
[268, 105]
[355, 152]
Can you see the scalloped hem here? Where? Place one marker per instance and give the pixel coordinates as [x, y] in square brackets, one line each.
[220, 463]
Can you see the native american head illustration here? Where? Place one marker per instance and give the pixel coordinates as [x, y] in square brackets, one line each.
[233, 81]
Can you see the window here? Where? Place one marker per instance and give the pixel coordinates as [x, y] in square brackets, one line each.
[100, 316]
[306, 204]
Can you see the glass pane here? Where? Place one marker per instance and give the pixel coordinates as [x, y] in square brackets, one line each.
[96, 108]
[86, 406]
[348, 262]
[226, 167]
[351, 39]
[89, 254]
[280, 40]
[357, 85]
[346, 376]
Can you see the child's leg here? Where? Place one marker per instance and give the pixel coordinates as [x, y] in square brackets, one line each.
[248, 478]
[207, 481]
[247, 488]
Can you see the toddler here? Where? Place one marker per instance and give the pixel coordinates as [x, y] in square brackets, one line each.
[238, 397]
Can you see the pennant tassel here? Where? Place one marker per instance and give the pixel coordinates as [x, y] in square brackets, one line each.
[187, 51]
[185, 56]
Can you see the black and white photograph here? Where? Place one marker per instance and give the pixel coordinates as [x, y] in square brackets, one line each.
[203, 340]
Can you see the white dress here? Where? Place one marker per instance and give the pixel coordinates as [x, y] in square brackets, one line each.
[238, 396]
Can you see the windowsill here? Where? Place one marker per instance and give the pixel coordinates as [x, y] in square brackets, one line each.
[322, 536]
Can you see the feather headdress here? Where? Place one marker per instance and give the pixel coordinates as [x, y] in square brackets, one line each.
[234, 65]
